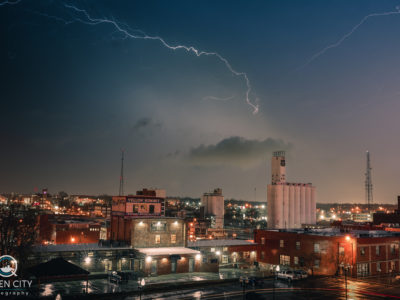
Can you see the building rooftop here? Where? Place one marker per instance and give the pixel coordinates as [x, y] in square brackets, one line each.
[76, 247]
[219, 243]
[338, 232]
[167, 251]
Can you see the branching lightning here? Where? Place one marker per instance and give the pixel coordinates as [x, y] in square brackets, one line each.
[347, 35]
[10, 2]
[129, 34]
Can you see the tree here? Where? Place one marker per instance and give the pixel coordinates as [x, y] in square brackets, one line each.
[18, 228]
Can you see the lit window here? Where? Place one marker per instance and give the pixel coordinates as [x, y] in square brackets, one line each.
[262, 254]
[362, 251]
[296, 260]
[316, 263]
[377, 250]
[224, 259]
[158, 239]
[173, 238]
[225, 249]
[341, 250]
[316, 248]
[212, 249]
[263, 241]
[284, 260]
[297, 245]
[281, 243]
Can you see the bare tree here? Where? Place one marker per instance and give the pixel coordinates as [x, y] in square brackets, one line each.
[18, 229]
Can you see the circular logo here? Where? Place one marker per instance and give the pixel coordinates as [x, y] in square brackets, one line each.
[8, 266]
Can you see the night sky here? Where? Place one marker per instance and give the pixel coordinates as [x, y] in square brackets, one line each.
[73, 94]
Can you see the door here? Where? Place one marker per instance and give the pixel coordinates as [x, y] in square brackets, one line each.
[173, 266]
[191, 264]
[154, 267]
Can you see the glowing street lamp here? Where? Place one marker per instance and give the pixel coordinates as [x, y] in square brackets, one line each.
[141, 284]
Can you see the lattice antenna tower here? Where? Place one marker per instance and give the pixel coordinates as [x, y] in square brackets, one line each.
[368, 184]
[121, 177]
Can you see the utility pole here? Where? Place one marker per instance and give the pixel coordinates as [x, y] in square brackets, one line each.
[368, 184]
[121, 177]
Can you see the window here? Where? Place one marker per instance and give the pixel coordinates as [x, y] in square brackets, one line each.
[158, 239]
[363, 269]
[341, 250]
[362, 251]
[212, 249]
[281, 243]
[392, 266]
[393, 249]
[224, 259]
[173, 238]
[263, 241]
[377, 250]
[297, 245]
[316, 248]
[158, 226]
[296, 260]
[225, 249]
[378, 267]
[284, 260]
[262, 254]
[316, 263]
[246, 254]
[151, 209]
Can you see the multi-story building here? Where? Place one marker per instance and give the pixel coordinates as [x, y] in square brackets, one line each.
[289, 205]
[393, 218]
[145, 204]
[55, 229]
[213, 204]
[330, 251]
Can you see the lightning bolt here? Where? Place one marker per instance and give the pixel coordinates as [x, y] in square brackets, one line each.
[10, 2]
[347, 35]
[95, 21]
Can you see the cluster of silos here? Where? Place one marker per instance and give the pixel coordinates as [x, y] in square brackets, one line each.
[289, 205]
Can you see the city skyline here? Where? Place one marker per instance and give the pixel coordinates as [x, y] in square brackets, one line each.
[183, 120]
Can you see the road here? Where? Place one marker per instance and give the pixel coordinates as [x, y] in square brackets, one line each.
[312, 288]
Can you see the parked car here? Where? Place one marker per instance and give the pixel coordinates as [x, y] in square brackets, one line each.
[287, 275]
[256, 281]
[301, 274]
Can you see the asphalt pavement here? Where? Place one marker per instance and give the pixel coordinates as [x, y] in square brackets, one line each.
[312, 288]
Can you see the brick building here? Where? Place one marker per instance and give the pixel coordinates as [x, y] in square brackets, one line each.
[54, 229]
[329, 251]
[227, 252]
[392, 219]
[146, 203]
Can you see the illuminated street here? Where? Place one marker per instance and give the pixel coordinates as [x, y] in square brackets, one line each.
[327, 288]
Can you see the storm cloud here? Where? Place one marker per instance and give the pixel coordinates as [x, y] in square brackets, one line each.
[236, 151]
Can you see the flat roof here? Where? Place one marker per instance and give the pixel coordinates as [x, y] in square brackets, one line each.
[337, 232]
[167, 251]
[76, 247]
[220, 243]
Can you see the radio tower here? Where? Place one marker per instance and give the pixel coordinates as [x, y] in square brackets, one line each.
[121, 177]
[368, 184]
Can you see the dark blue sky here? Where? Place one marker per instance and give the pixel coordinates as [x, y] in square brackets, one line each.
[73, 94]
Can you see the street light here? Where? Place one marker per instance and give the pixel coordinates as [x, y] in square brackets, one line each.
[275, 270]
[141, 284]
